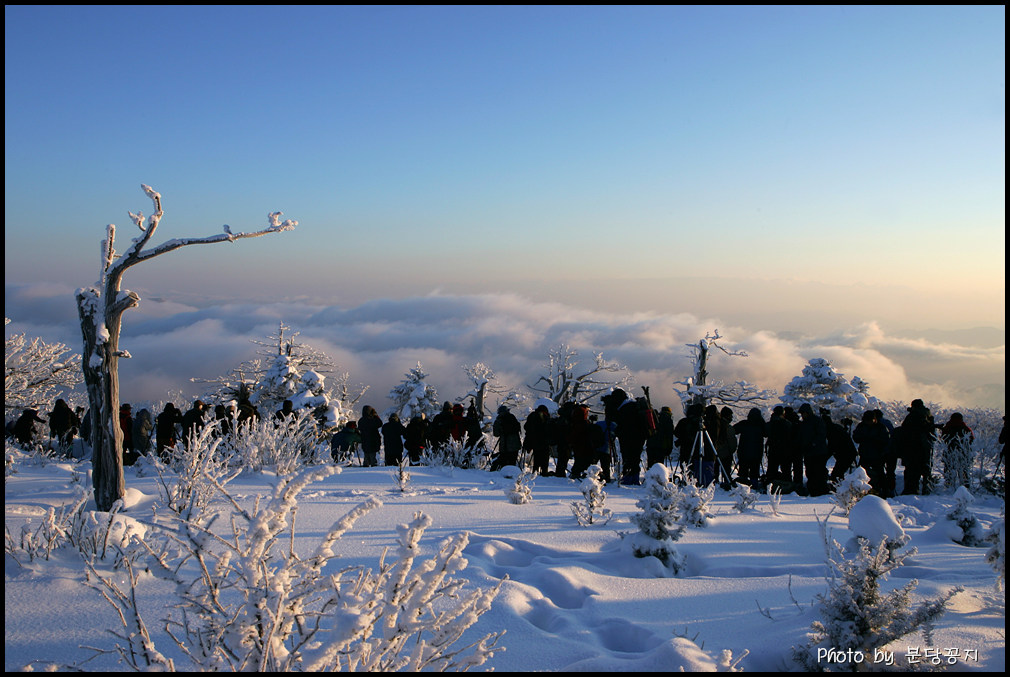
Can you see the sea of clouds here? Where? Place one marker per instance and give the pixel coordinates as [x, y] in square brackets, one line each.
[378, 341]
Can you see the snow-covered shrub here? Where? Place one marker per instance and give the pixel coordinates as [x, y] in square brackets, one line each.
[452, 454]
[996, 555]
[657, 522]
[522, 491]
[774, 499]
[247, 601]
[744, 498]
[196, 466]
[694, 505]
[592, 509]
[853, 487]
[972, 533]
[281, 446]
[857, 617]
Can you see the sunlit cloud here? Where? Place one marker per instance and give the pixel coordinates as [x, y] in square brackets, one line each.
[378, 341]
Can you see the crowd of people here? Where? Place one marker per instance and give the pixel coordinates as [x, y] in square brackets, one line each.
[792, 449]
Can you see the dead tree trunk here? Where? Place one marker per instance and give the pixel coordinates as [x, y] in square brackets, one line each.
[100, 309]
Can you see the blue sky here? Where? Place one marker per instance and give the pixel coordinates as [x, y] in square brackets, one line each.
[470, 150]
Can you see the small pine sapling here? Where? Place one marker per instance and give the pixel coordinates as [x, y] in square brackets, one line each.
[522, 491]
[744, 497]
[593, 509]
[694, 505]
[972, 533]
[856, 614]
[402, 475]
[658, 522]
[853, 487]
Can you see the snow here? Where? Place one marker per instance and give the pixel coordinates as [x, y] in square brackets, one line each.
[572, 597]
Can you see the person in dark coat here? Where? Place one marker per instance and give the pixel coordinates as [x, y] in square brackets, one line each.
[63, 423]
[581, 442]
[659, 447]
[750, 447]
[440, 429]
[415, 438]
[24, 428]
[507, 429]
[915, 448]
[872, 439]
[720, 428]
[166, 430]
[370, 428]
[560, 429]
[126, 425]
[143, 428]
[813, 443]
[192, 421]
[474, 433]
[631, 435]
[779, 441]
[794, 458]
[840, 445]
[344, 442]
[539, 433]
[392, 439]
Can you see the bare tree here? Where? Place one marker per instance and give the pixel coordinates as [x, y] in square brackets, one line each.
[101, 309]
[697, 389]
[567, 380]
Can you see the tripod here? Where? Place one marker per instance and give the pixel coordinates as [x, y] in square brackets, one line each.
[701, 438]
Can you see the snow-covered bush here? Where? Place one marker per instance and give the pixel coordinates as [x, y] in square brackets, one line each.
[249, 602]
[196, 467]
[774, 499]
[958, 458]
[694, 505]
[972, 533]
[452, 454]
[521, 492]
[823, 387]
[593, 508]
[657, 522]
[744, 498]
[857, 617]
[853, 487]
[282, 446]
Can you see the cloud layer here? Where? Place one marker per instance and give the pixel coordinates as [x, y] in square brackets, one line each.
[378, 341]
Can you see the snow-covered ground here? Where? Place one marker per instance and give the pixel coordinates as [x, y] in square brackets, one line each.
[572, 597]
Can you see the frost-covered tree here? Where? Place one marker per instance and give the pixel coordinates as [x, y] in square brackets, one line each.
[972, 533]
[414, 396]
[857, 616]
[522, 491]
[486, 384]
[288, 369]
[824, 388]
[698, 389]
[100, 309]
[593, 509]
[694, 505]
[36, 372]
[658, 522]
[568, 379]
[744, 497]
